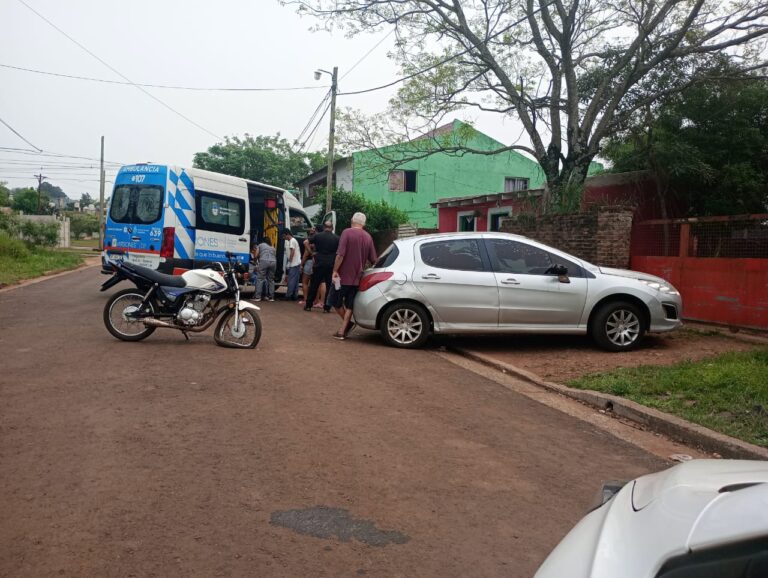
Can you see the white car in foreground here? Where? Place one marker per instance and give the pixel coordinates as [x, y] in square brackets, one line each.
[700, 519]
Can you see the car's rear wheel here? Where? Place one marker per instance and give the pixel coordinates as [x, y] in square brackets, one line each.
[618, 326]
[405, 325]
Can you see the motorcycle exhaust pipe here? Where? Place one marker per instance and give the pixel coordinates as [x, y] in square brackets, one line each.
[158, 323]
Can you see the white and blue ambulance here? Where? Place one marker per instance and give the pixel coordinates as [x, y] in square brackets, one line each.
[173, 219]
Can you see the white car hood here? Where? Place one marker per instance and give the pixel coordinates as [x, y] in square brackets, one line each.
[631, 274]
[693, 506]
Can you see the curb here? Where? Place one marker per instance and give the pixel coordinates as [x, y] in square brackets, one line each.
[34, 280]
[672, 426]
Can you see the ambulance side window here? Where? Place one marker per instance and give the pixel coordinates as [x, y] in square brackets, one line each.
[219, 213]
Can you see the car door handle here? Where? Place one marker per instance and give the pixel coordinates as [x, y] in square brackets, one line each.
[243, 239]
[510, 281]
[431, 276]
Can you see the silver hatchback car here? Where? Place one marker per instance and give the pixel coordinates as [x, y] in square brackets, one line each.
[496, 282]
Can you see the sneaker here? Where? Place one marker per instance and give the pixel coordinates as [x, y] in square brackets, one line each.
[339, 336]
[257, 299]
[271, 299]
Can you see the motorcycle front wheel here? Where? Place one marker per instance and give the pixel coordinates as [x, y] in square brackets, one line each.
[242, 335]
[117, 319]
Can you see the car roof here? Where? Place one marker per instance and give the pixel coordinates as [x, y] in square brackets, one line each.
[459, 235]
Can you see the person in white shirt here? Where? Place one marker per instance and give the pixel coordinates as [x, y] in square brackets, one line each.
[292, 265]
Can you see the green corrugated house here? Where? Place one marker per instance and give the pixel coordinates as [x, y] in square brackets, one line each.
[415, 184]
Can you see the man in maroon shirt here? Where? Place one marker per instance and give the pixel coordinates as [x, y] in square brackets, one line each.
[355, 250]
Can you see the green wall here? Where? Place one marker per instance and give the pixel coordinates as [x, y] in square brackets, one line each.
[443, 175]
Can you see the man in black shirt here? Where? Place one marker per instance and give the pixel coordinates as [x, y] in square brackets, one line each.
[324, 245]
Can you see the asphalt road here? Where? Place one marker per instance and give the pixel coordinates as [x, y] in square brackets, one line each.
[304, 457]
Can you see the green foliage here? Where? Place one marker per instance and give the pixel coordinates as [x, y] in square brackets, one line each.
[12, 247]
[708, 145]
[85, 200]
[18, 261]
[34, 234]
[380, 216]
[267, 159]
[26, 200]
[81, 224]
[5, 194]
[727, 393]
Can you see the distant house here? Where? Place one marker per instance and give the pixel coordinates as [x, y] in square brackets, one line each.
[414, 185]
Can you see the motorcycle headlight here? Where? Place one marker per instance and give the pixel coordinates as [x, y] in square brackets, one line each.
[665, 288]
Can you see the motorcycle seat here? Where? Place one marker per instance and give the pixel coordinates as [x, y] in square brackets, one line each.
[159, 278]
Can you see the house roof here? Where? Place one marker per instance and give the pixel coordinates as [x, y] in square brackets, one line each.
[485, 198]
[323, 171]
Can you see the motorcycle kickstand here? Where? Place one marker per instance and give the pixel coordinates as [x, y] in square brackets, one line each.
[186, 335]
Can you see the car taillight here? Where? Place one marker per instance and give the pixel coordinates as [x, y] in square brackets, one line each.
[166, 249]
[373, 279]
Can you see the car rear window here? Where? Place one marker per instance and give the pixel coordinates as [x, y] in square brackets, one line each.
[388, 257]
[136, 204]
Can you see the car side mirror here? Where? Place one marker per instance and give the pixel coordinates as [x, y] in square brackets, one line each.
[561, 271]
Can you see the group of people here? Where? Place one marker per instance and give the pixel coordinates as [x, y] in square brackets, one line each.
[329, 269]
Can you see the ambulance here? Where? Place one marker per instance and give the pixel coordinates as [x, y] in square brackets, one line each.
[173, 219]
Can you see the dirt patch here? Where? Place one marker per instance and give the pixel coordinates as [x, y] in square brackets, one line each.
[559, 358]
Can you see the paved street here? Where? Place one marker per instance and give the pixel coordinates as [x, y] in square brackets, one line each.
[304, 457]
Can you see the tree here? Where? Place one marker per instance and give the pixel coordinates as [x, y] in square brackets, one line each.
[268, 159]
[707, 146]
[380, 216]
[572, 71]
[26, 200]
[5, 194]
[85, 200]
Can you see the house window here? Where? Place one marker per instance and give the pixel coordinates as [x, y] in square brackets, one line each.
[402, 181]
[512, 184]
[467, 221]
[495, 216]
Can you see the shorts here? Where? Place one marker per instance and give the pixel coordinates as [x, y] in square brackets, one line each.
[308, 265]
[345, 296]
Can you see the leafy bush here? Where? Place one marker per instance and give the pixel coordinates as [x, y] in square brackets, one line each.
[380, 215]
[81, 224]
[40, 234]
[12, 247]
[10, 224]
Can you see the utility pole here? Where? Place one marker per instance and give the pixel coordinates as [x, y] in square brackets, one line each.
[331, 139]
[101, 197]
[40, 178]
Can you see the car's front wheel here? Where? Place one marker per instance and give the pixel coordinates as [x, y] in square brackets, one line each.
[405, 325]
[618, 326]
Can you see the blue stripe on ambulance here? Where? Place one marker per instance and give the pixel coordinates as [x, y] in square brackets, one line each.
[181, 200]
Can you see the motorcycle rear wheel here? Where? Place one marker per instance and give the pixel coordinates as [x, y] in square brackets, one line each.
[116, 321]
[248, 335]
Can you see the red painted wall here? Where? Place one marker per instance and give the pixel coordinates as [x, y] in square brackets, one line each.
[448, 217]
[728, 291]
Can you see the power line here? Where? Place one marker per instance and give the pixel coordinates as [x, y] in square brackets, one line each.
[14, 131]
[311, 136]
[375, 46]
[113, 69]
[312, 118]
[40, 153]
[165, 86]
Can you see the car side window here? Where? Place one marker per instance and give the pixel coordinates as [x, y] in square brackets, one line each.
[459, 254]
[520, 258]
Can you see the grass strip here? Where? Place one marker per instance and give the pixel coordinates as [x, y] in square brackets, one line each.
[727, 393]
[36, 262]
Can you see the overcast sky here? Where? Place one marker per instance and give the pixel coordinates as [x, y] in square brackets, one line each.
[191, 43]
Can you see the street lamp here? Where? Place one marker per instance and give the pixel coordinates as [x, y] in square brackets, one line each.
[331, 135]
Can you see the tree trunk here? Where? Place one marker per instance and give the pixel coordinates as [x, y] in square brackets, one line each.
[565, 187]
